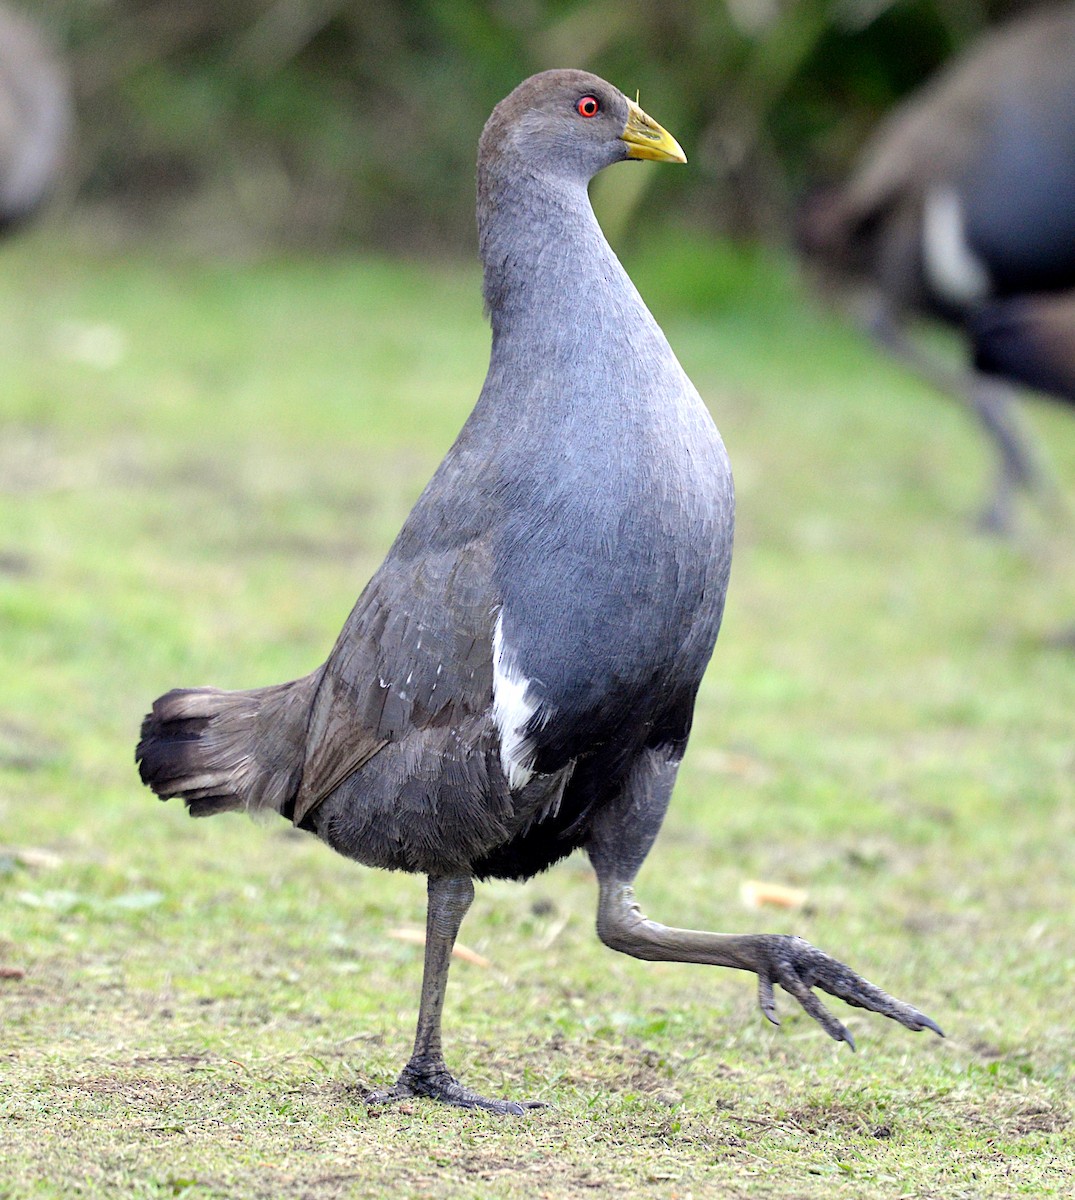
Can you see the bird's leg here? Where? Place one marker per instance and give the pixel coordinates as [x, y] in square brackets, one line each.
[622, 834]
[426, 1074]
[1018, 466]
[774, 958]
[994, 404]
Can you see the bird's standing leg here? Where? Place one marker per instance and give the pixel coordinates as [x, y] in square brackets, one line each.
[622, 835]
[426, 1074]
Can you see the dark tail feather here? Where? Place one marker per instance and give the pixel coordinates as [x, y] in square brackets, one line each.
[221, 751]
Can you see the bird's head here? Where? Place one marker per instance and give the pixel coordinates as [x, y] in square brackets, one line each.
[571, 124]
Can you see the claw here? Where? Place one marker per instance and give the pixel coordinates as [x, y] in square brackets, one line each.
[797, 967]
[924, 1022]
[767, 999]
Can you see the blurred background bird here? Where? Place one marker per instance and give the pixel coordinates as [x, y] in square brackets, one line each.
[35, 118]
[962, 207]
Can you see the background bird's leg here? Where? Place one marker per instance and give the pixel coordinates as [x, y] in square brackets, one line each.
[1019, 466]
[621, 837]
[994, 405]
[426, 1073]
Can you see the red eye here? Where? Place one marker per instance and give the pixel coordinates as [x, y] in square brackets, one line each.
[588, 106]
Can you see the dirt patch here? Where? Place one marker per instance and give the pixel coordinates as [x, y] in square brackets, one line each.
[22, 748]
[1034, 1118]
[190, 1061]
[141, 1091]
[832, 1118]
[15, 566]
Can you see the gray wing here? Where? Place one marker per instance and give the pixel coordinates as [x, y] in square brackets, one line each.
[403, 767]
[414, 656]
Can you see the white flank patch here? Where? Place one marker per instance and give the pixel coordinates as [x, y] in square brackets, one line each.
[512, 712]
[957, 274]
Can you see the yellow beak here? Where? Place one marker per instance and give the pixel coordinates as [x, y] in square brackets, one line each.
[646, 139]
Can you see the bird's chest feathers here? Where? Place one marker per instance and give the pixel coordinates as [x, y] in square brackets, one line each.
[612, 496]
[610, 559]
[614, 471]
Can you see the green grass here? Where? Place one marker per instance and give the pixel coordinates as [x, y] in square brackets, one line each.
[200, 465]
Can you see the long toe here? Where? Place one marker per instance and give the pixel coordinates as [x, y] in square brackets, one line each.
[463, 1097]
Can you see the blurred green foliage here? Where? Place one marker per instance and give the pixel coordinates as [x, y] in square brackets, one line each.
[319, 121]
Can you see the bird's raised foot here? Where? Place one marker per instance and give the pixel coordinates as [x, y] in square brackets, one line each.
[432, 1079]
[797, 967]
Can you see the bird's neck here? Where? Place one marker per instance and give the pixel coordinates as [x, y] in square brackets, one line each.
[541, 248]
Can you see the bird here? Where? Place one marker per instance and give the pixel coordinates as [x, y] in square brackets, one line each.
[35, 119]
[518, 678]
[961, 202]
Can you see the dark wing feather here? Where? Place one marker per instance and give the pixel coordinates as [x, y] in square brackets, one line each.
[414, 655]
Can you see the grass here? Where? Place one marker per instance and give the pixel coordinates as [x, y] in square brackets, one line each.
[200, 465]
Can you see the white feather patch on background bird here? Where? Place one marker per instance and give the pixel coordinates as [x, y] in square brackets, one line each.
[957, 273]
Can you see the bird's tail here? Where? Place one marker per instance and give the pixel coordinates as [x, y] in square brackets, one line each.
[221, 751]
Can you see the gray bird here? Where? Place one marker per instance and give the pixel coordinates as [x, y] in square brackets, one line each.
[35, 119]
[518, 678]
[962, 207]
